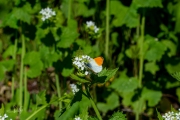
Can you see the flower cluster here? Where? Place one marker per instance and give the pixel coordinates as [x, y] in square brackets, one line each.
[80, 63]
[4, 117]
[74, 88]
[47, 13]
[92, 26]
[77, 118]
[172, 115]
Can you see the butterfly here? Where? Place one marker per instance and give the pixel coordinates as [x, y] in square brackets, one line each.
[96, 64]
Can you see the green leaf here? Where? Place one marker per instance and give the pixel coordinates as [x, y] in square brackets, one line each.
[5, 66]
[8, 64]
[151, 67]
[171, 46]
[104, 75]
[70, 113]
[148, 3]
[152, 96]
[67, 72]
[2, 111]
[9, 51]
[159, 115]
[124, 83]
[155, 51]
[81, 80]
[22, 15]
[118, 116]
[131, 19]
[69, 34]
[83, 108]
[173, 65]
[176, 75]
[127, 98]
[35, 64]
[10, 20]
[111, 103]
[41, 98]
[82, 10]
[117, 6]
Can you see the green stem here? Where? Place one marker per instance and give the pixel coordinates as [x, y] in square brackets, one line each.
[69, 11]
[58, 90]
[14, 58]
[21, 71]
[107, 29]
[93, 104]
[141, 52]
[141, 64]
[25, 90]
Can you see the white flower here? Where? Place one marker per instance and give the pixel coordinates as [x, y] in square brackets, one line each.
[92, 26]
[4, 117]
[80, 63]
[172, 116]
[96, 29]
[74, 88]
[47, 13]
[86, 73]
[78, 118]
[90, 23]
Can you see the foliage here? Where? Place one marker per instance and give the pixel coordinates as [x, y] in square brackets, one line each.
[138, 39]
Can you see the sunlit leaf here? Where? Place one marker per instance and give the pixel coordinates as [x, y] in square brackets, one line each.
[148, 3]
[152, 67]
[152, 96]
[125, 84]
[111, 102]
[105, 75]
[35, 64]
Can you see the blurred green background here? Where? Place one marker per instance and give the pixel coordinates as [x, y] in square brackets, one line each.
[140, 37]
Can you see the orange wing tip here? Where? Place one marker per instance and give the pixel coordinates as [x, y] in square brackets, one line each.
[99, 60]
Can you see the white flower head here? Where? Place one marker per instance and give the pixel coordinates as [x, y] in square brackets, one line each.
[47, 13]
[4, 117]
[74, 88]
[171, 116]
[77, 118]
[91, 25]
[80, 63]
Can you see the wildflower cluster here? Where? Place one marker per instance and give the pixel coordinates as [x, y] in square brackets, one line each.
[92, 26]
[47, 13]
[4, 117]
[172, 115]
[80, 63]
[77, 118]
[74, 88]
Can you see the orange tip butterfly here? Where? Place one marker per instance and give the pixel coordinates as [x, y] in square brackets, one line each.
[96, 64]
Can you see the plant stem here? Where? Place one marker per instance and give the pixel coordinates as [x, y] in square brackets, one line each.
[25, 90]
[141, 52]
[21, 71]
[58, 89]
[14, 58]
[141, 64]
[93, 104]
[69, 12]
[107, 29]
